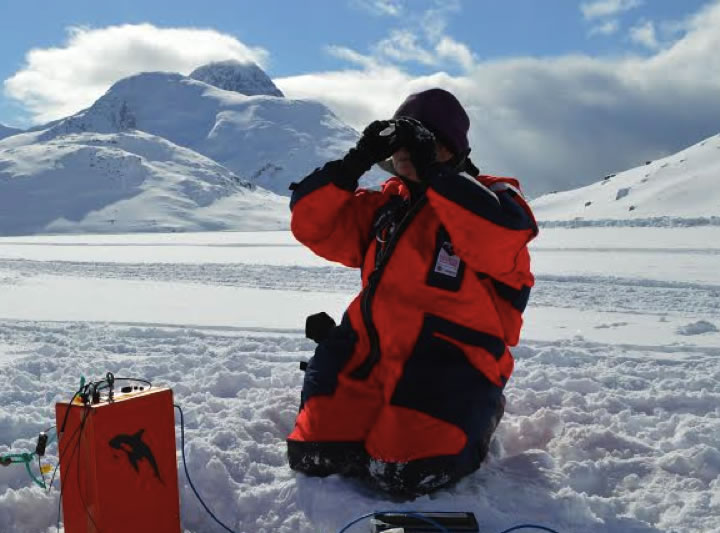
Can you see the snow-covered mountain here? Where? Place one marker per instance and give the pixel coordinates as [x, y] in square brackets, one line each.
[269, 140]
[684, 188]
[166, 151]
[123, 182]
[6, 131]
[243, 78]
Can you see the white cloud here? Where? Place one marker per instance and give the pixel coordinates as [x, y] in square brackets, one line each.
[609, 27]
[459, 53]
[557, 122]
[644, 34]
[393, 8]
[434, 21]
[56, 82]
[403, 46]
[351, 56]
[607, 8]
[423, 40]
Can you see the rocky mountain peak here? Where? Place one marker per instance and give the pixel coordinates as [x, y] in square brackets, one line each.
[243, 78]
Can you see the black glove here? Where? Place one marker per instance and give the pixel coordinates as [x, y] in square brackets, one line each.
[377, 143]
[318, 326]
[419, 142]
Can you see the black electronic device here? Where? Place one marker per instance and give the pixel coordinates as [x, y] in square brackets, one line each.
[425, 522]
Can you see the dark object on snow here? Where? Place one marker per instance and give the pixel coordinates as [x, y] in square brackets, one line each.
[318, 326]
[425, 522]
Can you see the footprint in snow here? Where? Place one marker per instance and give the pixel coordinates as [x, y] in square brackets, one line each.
[697, 328]
[613, 325]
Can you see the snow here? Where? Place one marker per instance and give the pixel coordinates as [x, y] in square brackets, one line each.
[612, 416]
[119, 182]
[243, 78]
[677, 190]
[269, 140]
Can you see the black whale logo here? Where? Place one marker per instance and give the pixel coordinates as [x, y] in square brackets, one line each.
[136, 450]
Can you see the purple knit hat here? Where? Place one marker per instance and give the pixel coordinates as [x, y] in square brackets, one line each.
[441, 113]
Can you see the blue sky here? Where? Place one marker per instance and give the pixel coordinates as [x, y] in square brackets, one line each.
[296, 34]
[558, 90]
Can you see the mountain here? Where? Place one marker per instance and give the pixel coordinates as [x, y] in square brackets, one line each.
[123, 182]
[162, 151]
[269, 140]
[243, 78]
[6, 131]
[681, 189]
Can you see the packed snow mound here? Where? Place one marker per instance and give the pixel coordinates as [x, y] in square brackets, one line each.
[124, 182]
[6, 131]
[270, 141]
[243, 78]
[681, 189]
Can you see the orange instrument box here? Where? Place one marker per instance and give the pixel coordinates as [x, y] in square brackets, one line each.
[118, 465]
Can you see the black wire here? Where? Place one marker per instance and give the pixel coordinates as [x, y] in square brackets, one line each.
[106, 385]
[187, 474]
[148, 383]
[530, 526]
[75, 449]
[57, 466]
[42, 473]
[67, 413]
[60, 433]
[77, 475]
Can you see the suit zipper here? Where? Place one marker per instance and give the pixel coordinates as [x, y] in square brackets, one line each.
[363, 369]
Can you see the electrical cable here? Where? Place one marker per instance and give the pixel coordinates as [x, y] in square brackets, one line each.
[529, 526]
[40, 467]
[106, 385]
[77, 477]
[57, 466]
[67, 473]
[26, 459]
[187, 474]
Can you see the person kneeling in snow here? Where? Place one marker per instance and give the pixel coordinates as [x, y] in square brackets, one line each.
[407, 391]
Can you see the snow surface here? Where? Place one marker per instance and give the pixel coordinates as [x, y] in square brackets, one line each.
[613, 411]
[679, 190]
[120, 182]
[243, 78]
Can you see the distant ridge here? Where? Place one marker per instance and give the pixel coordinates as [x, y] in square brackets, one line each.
[7, 131]
[680, 190]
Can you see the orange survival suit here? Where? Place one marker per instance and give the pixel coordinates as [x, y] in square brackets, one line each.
[407, 390]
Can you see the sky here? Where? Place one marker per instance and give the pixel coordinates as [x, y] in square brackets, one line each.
[558, 92]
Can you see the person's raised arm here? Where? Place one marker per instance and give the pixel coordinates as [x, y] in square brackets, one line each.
[329, 214]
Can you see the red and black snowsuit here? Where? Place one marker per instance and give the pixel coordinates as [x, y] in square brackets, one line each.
[408, 388]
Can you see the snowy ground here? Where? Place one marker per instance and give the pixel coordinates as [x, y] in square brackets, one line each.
[613, 417]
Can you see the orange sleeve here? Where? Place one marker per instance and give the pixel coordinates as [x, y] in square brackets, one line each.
[331, 220]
